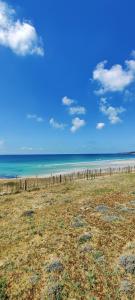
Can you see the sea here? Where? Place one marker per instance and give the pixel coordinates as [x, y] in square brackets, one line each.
[12, 166]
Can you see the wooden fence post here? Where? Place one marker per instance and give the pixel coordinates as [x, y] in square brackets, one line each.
[60, 178]
[25, 185]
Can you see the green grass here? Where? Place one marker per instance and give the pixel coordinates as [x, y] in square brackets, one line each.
[3, 289]
[92, 279]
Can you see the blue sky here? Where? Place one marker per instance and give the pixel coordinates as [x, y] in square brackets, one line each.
[67, 76]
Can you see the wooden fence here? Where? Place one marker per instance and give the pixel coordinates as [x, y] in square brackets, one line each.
[28, 184]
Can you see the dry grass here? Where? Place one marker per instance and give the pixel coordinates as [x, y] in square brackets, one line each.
[65, 242]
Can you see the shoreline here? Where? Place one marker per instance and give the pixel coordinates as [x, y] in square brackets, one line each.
[91, 166]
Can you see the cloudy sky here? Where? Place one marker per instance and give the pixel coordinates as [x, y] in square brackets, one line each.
[67, 76]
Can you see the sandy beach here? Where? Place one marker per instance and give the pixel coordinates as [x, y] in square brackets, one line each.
[82, 167]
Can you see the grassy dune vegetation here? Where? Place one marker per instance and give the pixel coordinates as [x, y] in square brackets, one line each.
[69, 241]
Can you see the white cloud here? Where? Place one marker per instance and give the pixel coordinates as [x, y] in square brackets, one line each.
[115, 79]
[67, 101]
[111, 112]
[56, 124]
[26, 148]
[129, 96]
[20, 36]
[133, 53]
[78, 110]
[100, 126]
[35, 117]
[77, 123]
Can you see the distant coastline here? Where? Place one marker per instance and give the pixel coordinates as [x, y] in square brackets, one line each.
[133, 152]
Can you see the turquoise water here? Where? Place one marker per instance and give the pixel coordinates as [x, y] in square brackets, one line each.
[40, 165]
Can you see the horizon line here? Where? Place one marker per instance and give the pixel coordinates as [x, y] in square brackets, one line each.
[102, 153]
